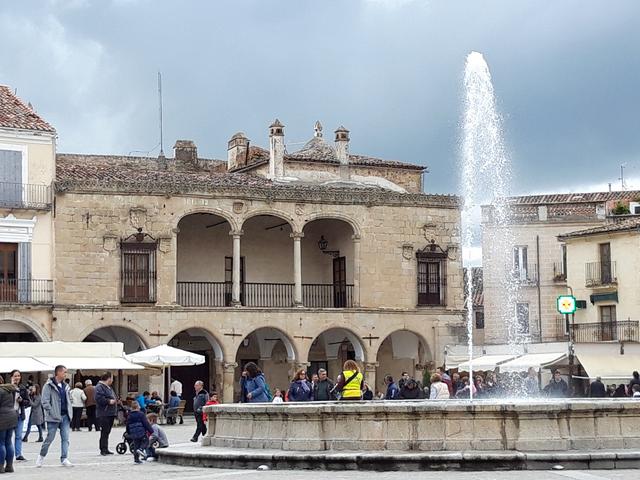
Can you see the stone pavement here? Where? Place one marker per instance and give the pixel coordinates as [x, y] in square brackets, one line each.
[90, 465]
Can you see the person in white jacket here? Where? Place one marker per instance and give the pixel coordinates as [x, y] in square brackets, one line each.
[78, 397]
[439, 389]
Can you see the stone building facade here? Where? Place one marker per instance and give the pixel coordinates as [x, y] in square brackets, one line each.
[27, 165]
[291, 259]
[539, 263]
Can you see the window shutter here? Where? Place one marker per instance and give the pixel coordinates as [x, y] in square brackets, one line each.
[10, 177]
[24, 272]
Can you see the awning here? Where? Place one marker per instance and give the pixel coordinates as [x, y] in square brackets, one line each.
[605, 360]
[535, 360]
[92, 363]
[24, 364]
[485, 362]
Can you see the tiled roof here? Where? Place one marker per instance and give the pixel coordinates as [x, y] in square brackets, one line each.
[621, 224]
[15, 114]
[589, 197]
[146, 175]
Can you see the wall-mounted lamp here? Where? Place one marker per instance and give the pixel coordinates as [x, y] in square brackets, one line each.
[323, 244]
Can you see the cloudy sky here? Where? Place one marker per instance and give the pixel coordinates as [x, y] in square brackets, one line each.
[567, 75]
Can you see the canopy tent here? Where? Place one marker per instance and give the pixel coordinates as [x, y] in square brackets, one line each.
[44, 356]
[454, 355]
[608, 360]
[164, 356]
[485, 362]
[535, 360]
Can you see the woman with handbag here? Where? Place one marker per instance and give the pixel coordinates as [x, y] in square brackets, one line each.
[350, 381]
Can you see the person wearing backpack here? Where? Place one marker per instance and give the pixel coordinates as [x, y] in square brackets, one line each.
[255, 384]
[350, 381]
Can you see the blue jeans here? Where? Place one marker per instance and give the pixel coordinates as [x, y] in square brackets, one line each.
[18, 429]
[6, 447]
[52, 428]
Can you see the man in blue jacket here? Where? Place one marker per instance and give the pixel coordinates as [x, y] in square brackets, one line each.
[199, 401]
[106, 410]
[56, 402]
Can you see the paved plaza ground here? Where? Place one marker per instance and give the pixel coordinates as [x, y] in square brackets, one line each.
[89, 465]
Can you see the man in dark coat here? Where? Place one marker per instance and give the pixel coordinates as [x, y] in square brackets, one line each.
[323, 388]
[597, 389]
[199, 401]
[106, 410]
[8, 422]
[557, 387]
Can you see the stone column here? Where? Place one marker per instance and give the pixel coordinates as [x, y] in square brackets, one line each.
[356, 270]
[228, 380]
[370, 375]
[235, 291]
[297, 268]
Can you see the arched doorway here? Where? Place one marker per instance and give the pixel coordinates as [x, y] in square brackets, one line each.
[328, 264]
[266, 267]
[272, 351]
[204, 261]
[129, 338]
[200, 341]
[16, 331]
[332, 348]
[401, 351]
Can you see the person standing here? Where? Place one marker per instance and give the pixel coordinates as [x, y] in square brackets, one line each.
[439, 389]
[22, 402]
[37, 414]
[300, 389]
[597, 389]
[137, 428]
[323, 387]
[90, 405]
[531, 385]
[106, 410]
[56, 401]
[634, 381]
[393, 392]
[557, 387]
[78, 398]
[199, 401]
[8, 422]
[350, 382]
[255, 384]
[176, 386]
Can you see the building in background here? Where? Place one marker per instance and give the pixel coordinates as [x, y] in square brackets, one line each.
[27, 169]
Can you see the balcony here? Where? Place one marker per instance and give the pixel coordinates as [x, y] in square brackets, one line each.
[559, 273]
[274, 295]
[526, 274]
[26, 196]
[28, 292]
[600, 274]
[624, 331]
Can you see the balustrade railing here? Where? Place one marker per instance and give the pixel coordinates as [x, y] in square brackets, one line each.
[24, 195]
[26, 291]
[277, 295]
[623, 330]
[598, 274]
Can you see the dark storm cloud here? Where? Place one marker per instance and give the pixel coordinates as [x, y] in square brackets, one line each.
[567, 75]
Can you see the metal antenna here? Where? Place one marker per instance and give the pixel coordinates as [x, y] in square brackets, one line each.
[622, 186]
[160, 109]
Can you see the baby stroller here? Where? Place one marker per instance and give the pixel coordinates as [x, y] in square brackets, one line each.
[127, 443]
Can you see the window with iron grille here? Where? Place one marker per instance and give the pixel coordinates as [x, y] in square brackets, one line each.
[431, 275]
[138, 269]
[479, 320]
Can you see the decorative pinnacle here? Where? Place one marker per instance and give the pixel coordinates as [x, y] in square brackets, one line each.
[317, 129]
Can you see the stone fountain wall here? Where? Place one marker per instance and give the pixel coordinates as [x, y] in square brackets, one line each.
[428, 426]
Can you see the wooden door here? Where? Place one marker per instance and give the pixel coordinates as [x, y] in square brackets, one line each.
[605, 263]
[8, 272]
[340, 282]
[608, 323]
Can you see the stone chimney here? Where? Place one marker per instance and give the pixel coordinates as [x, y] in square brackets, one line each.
[276, 150]
[342, 145]
[185, 151]
[237, 151]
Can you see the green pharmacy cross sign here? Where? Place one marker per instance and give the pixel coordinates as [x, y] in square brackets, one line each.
[566, 304]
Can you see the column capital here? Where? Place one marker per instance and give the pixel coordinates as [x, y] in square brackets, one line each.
[355, 237]
[236, 233]
[371, 365]
[229, 366]
[296, 235]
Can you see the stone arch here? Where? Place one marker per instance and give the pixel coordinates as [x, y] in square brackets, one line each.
[399, 351]
[292, 353]
[355, 226]
[228, 216]
[330, 340]
[216, 345]
[36, 329]
[113, 333]
[272, 213]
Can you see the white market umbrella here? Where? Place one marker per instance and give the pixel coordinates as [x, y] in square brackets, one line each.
[165, 356]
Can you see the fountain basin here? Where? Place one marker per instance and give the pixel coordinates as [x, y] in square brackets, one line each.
[434, 426]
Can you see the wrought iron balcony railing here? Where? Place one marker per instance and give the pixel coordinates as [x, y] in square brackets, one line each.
[24, 195]
[277, 295]
[526, 274]
[624, 330]
[26, 291]
[599, 274]
[559, 273]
